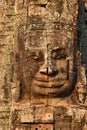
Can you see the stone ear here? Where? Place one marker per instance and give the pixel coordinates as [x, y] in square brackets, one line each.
[81, 85]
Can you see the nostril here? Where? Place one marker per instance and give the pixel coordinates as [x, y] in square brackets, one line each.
[54, 73]
[48, 71]
[51, 71]
[43, 70]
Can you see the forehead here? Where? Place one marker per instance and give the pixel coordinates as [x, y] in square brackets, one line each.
[48, 39]
[48, 25]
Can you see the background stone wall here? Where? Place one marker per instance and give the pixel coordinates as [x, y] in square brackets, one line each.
[20, 32]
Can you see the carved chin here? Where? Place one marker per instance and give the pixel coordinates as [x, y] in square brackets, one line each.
[50, 90]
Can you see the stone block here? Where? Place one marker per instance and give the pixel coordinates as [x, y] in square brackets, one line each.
[10, 10]
[2, 27]
[41, 127]
[44, 115]
[62, 120]
[23, 127]
[27, 116]
[35, 127]
[10, 2]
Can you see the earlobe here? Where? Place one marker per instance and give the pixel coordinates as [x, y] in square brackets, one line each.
[81, 85]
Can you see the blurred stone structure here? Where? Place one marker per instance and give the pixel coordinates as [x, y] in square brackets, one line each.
[42, 74]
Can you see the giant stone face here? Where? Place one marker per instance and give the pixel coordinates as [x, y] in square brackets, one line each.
[54, 74]
[51, 50]
[49, 45]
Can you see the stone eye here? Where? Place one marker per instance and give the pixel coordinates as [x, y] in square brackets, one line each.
[37, 56]
[58, 56]
[62, 56]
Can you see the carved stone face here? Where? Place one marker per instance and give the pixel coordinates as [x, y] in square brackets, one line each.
[50, 38]
[54, 76]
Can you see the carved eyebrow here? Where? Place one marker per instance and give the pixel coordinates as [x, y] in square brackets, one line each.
[57, 49]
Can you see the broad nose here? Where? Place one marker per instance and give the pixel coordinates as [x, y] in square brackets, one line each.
[48, 70]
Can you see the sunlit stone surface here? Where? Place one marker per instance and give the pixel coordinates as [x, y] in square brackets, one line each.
[42, 67]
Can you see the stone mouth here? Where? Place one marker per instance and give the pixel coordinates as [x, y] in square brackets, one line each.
[49, 88]
[49, 79]
[51, 83]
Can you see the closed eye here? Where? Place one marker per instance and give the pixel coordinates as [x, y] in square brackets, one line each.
[57, 57]
[37, 56]
[58, 54]
[62, 56]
